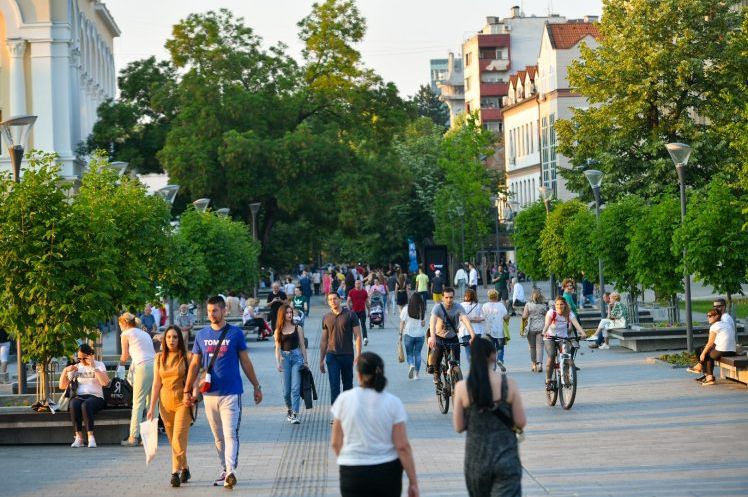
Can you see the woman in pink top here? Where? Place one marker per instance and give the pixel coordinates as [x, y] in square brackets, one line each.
[326, 283]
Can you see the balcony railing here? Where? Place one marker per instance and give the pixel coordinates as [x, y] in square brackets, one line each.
[499, 89]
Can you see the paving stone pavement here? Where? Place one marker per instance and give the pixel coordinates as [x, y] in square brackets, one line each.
[636, 429]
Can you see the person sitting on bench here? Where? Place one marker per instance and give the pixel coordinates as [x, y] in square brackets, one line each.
[250, 316]
[721, 343]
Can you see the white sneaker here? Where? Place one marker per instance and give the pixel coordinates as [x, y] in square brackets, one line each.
[366, 341]
[411, 372]
[415, 376]
[78, 442]
[604, 346]
[91, 443]
[295, 419]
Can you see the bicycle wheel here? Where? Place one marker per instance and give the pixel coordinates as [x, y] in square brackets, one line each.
[443, 391]
[568, 390]
[551, 396]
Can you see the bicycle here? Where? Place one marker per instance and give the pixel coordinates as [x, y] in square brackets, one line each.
[564, 377]
[450, 374]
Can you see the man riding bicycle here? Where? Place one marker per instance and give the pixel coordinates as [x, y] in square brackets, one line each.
[558, 323]
[445, 319]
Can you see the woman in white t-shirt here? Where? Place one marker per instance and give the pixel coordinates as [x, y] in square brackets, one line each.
[89, 396]
[495, 315]
[721, 343]
[473, 312]
[413, 332]
[558, 323]
[369, 437]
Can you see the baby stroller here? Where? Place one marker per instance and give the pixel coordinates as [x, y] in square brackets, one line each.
[376, 311]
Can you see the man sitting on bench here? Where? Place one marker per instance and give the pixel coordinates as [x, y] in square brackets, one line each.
[721, 343]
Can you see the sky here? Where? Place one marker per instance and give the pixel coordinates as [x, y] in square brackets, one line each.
[402, 35]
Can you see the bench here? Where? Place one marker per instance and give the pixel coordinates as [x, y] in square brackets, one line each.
[641, 339]
[734, 367]
[22, 426]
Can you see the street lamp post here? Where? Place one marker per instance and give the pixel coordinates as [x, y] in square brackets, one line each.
[15, 131]
[679, 153]
[546, 196]
[595, 178]
[496, 199]
[168, 193]
[461, 212]
[254, 209]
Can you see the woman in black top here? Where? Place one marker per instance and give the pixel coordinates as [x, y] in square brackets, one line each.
[401, 292]
[290, 355]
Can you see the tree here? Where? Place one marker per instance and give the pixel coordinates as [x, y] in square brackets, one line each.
[712, 236]
[578, 237]
[650, 248]
[649, 82]
[133, 128]
[528, 224]
[466, 188]
[555, 252]
[428, 104]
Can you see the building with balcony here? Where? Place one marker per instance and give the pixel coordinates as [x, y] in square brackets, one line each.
[537, 97]
[56, 62]
[490, 57]
[439, 71]
[452, 88]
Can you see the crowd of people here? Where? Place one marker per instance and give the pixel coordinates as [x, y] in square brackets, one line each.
[369, 433]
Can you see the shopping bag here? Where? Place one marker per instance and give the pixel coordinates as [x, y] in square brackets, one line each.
[149, 434]
[400, 351]
[523, 327]
[506, 332]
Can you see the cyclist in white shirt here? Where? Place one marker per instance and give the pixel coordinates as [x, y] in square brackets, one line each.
[558, 323]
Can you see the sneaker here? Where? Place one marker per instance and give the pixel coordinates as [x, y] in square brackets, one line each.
[415, 376]
[550, 386]
[693, 370]
[538, 367]
[175, 481]
[78, 442]
[295, 419]
[230, 480]
[700, 378]
[129, 442]
[708, 381]
[429, 369]
[604, 346]
[91, 442]
[366, 342]
[289, 415]
[411, 372]
[220, 479]
[185, 475]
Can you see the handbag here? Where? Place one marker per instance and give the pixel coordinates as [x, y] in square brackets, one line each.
[118, 394]
[507, 337]
[400, 351]
[523, 327]
[205, 378]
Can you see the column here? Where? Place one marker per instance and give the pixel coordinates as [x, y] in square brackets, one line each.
[50, 88]
[17, 77]
[75, 108]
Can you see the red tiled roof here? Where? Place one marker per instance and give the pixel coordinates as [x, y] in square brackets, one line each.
[568, 34]
[513, 80]
[532, 71]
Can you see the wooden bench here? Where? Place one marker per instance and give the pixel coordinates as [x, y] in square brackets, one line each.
[734, 367]
[22, 426]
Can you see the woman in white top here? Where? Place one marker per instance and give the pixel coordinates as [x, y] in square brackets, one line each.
[369, 437]
[137, 345]
[721, 343]
[495, 314]
[558, 323]
[413, 332]
[473, 312]
[91, 377]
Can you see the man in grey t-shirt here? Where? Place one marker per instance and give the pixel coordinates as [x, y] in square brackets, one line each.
[445, 318]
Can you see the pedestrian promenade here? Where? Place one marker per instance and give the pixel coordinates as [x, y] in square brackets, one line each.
[636, 429]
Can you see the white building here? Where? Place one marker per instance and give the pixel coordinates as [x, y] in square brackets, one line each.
[56, 62]
[452, 88]
[538, 97]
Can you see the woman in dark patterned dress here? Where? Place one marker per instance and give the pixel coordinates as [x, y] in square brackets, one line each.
[482, 405]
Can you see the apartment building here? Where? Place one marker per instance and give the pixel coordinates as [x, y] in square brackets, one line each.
[452, 88]
[438, 71]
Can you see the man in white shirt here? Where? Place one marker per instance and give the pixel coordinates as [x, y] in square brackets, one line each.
[138, 346]
[473, 277]
[461, 279]
[721, 305]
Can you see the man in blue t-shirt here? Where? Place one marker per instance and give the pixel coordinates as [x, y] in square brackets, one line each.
[223, 404]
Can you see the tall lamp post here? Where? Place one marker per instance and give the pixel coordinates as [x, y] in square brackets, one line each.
[497, 202]
[595, 178]
[15, 131]
[168, 193]
[546, 196]
[679, 153]
[461, 212]
[254, 208]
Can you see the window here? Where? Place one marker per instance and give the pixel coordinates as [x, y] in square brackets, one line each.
[548, 162]
[467, 84]
[489, 103]
[467, 59]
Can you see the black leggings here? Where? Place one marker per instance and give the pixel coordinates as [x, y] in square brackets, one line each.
[378, 480]
[362, 319]
[707, 366]
[82, 410]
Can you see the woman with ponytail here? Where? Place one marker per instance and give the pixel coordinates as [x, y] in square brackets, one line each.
[369, 437]
[488, 406]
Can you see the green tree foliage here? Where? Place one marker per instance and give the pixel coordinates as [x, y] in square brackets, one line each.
[556, 252]
[716, 246]
[617, 223]
[528, 224]
[133, 128]
[222, 249]
[650, 247]
[657, 66]
[428, 104]
[579, 235]
[467, 188]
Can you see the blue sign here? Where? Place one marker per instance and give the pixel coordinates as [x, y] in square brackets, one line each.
[412, 256]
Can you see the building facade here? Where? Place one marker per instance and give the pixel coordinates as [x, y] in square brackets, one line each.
[537, 97]
[452, 88]
[439, 70]
[56, 62]
[490, 57]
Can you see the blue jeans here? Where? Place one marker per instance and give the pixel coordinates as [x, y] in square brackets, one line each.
[466, 341]
[499, 344]
[413, 346]
[339, 368]
[292, 361]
